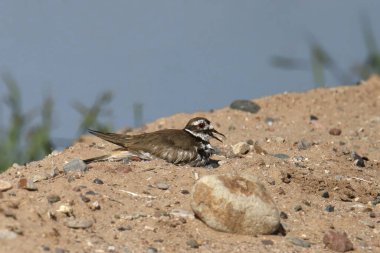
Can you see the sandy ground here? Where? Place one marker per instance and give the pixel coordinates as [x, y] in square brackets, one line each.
[298, 161]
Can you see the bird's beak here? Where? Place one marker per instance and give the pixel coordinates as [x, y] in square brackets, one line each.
[212, 131]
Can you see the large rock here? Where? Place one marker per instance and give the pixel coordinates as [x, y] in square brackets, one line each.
[235, 204]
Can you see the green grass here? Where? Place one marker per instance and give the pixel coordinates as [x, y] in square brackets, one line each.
[23, 139]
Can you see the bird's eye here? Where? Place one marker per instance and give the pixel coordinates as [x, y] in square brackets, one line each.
[201, 125]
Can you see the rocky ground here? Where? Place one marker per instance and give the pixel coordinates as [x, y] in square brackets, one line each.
[317, 153]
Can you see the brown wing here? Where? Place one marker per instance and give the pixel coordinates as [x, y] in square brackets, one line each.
[173, 145]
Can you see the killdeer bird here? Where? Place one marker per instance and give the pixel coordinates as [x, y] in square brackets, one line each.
[190, 145]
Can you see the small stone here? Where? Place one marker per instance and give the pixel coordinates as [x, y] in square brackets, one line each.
[182, 213]
[267, 242]
[235, 204]
[151, 250]
[193, 244]
[66, 209]
[45, 247]
[124, 228]
[298, 208]
[303, 145]
[7, 234]
[95, 206]
[281, 156]
[337, 241]
[376, 201]
[97, 181]
[359, 162]
[269, 121]
[299, 242]
[54, 172]
[5, 185]
[279, 139]
[162, 185]
[313, 118]
[325, 194]
[52, 198]
[329, 208]
[240, 148]
[245, 105]
[79, 223]
[60, 250]
[335, 131]
[91, 193]
[283, 215]
[27, 184]
[259, 150]
[38, 178]
[111, 248]
[185, 192]
[84, 198]
[76, 165]
[372, 214]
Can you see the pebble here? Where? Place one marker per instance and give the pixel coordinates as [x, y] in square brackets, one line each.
[76, 165]
[98, 181]
[27, 184]
[329, 208]
[5, 185]
[269, 121]
[298, 208]
[185, 192]
[38, 178]
[376, 201]
[313, 118]
[94, 206]
[247, 206]
[279, 139]
[79, 223]
[267, 242]
[54, 172]
[60, 250]
[84, 198]
[337, 241]
[281, 156]
[303, 145]
[124, 228]
[66, 209]
[245, 105]
[162, 185]
[52, 198]
[193, 244]
[335, 131]
[241, 148]
[299, 242]
[7, 234]
[182, 213]
[283, 215]
[325, 194]
[151, 250]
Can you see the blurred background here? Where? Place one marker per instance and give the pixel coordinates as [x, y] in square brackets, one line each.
[69, 65]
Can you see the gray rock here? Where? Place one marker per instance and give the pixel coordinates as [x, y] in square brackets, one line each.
[337, 241]
[7, 234]
[329, 208]
[151, 250]
[162, 185]
[303, 145]
[245, 105]
[79, 223]
[76, 165]
[281, 156]
[235, 204]
[52, 198]
[299, 242]
[98, 181]
[193, 244]
[325, 194]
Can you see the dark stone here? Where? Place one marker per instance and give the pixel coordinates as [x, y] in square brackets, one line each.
[245, 105]
[329, 208]
[84, 198]
[184, 191]
[52, 198]
[91, 193]
[267, 242]
[98, 181]
[335, 131]
[124, 228]
[299, 242]
[193, 244]
[376, 200]
[281, 156]
[313, 118]
[325, 194]
[303, 145]
[298, 208]
[283, 215]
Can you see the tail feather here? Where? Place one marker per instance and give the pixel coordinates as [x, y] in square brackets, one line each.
[118, 139]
